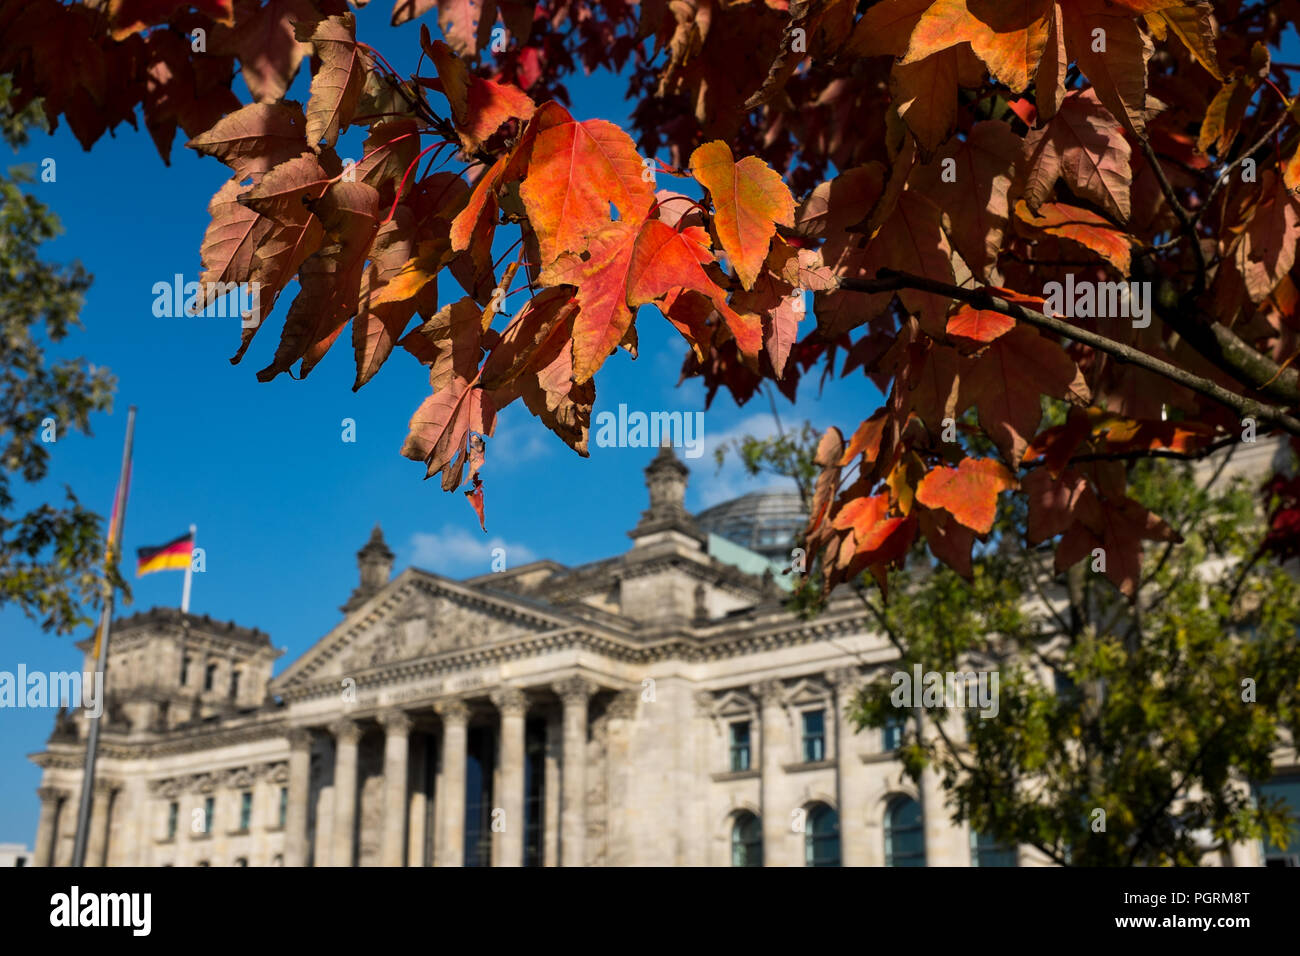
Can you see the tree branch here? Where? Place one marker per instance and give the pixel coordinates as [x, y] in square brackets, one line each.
[888, 280]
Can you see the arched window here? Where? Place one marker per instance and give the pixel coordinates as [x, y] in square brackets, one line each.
[746, 840]
[904, 834]
[822, 838]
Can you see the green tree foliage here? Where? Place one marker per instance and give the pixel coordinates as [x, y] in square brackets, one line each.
[1159, 709]
[50, 555]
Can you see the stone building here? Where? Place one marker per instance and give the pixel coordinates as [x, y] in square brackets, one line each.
[660, 707]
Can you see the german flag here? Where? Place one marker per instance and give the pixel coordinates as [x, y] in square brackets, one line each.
[172, 556]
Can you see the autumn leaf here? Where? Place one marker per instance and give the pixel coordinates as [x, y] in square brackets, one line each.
[1084, 145]
[665, 260]
[478, 106]
[1006, 384]
[256, 138]
[749, 201]
[336, 87]
[576, 171]
[979, 326]
[1008, 37]
[968, 492]
[602, 294]
[1082, 226]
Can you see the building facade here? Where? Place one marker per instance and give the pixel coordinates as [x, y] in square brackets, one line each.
[656, 708]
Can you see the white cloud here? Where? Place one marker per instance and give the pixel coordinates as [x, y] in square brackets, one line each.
[519, 438]
[710, 485]
[461, 553]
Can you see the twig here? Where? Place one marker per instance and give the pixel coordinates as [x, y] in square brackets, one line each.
[888, 280]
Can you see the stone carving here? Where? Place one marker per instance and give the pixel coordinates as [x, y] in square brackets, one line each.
[422, 627]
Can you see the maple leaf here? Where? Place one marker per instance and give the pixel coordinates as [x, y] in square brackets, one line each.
[979, 326]
[1084, 145]
[1008, 37]
[601, 278]
[336, 87]
[576, 170]
[1265, 251]
[841, 202]
[1006, 384]
[665, 260]
[330, 279]
[968, 492]
[984, 165]
[749, 201]
[132, 16]
[264, 40]
[256, 138]
[1114, 59]
[1082, 226]
[478, 106]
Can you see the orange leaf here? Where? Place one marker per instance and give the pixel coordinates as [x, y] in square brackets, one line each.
[664, 260]
[601, 279]
[979, 325]
[576, 170]
[1008, 35]
[478, 106]
[749, 200]
[1082, 226]
[968, 492]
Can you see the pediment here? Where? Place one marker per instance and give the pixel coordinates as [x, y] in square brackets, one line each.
[417, 617]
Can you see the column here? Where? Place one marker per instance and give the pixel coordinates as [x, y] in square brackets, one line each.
[551, 792]
[946, 843]
[574, 693]
[508, 845]
[295, 815]
[100, 808]
[397, 744]
[43, 852]
[347, 733]
[848, 771]
[449, 808]
[417, 804]
[777, 835]
[620, 713]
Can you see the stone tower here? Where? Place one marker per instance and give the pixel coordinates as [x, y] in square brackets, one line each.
[375, 564]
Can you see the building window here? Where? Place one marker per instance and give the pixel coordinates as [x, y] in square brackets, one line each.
[986, 851]
[814, 735]
[185, 670]
[241, 861]
[904, 834]
[209, 676]
[284, 805]
[234, 684]
[822, 839]
[245, 809]
[278, 860]
[480, 767]
[173, 816]
[209, 810]
[1286, 789]
[746, 840]
[740, 746]
[534, 790]
[891, 735]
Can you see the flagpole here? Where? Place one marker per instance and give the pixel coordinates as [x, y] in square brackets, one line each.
[189, 572]
[101, 645]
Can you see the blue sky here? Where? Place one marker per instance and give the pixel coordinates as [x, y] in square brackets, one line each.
[280, 501]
